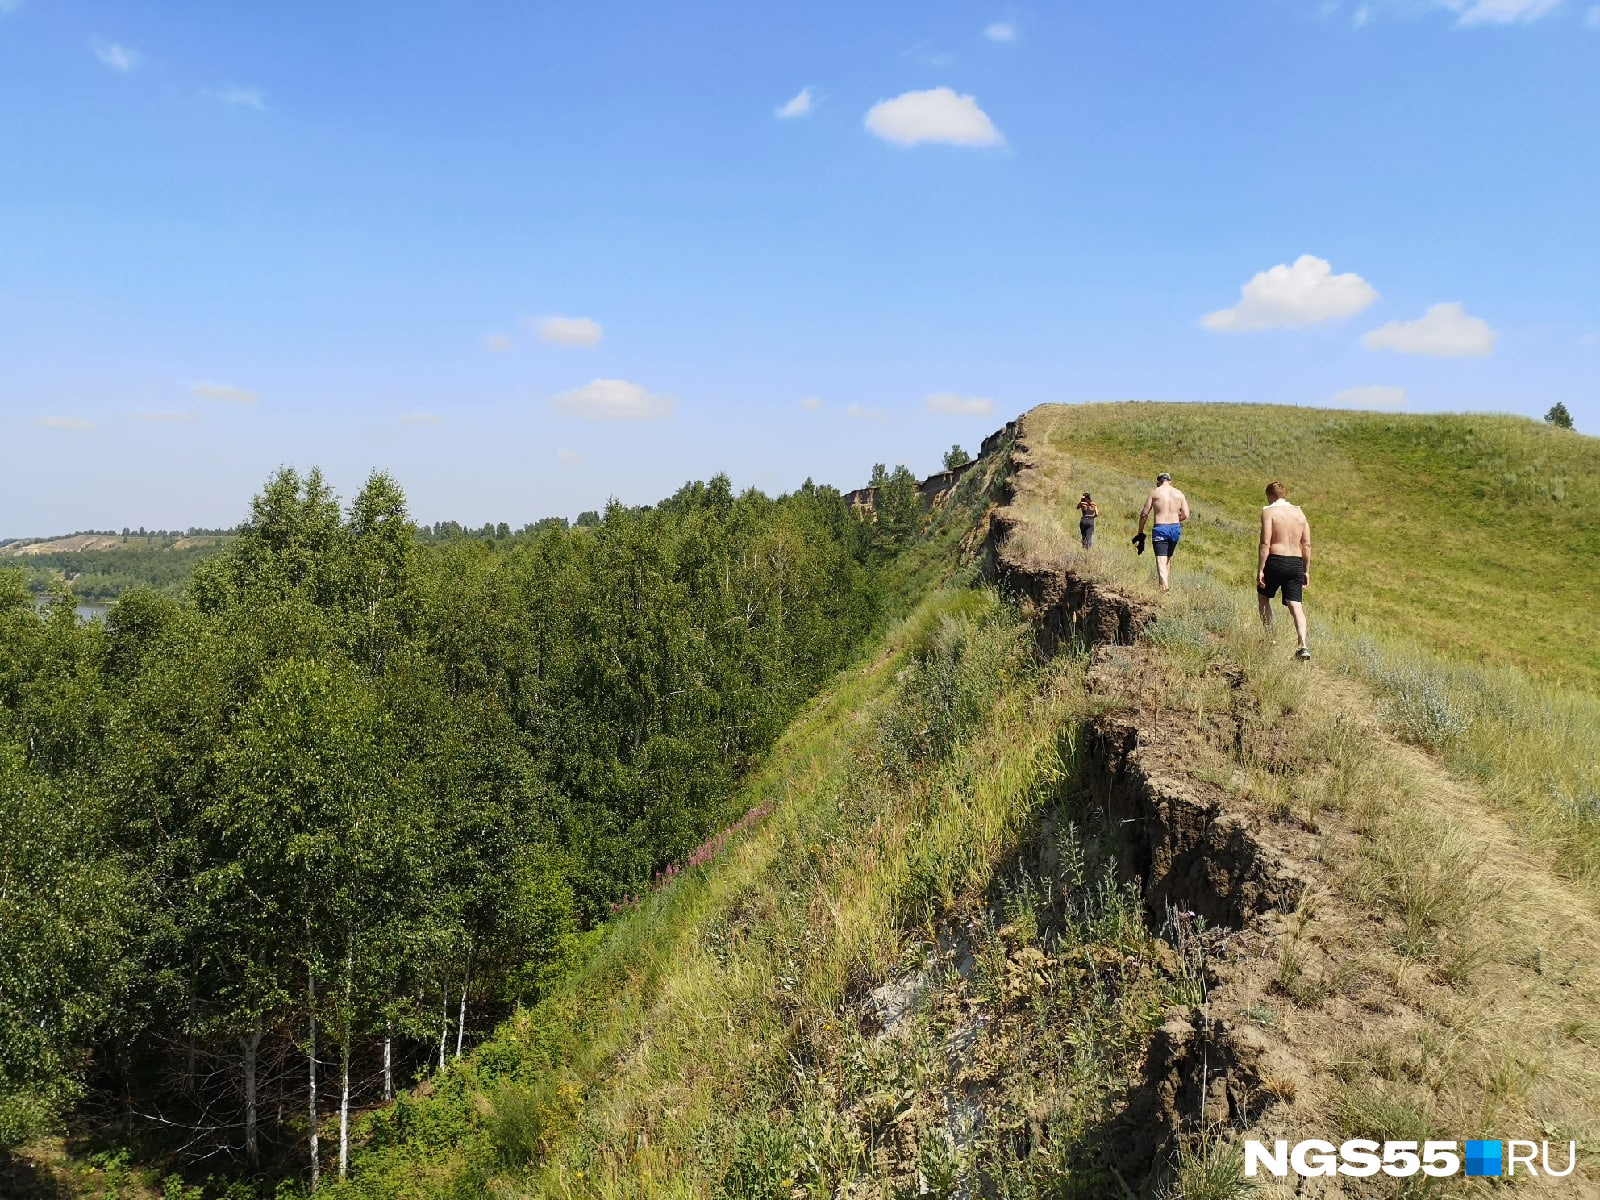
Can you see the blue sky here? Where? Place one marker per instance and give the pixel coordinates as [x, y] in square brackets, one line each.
[527, 257]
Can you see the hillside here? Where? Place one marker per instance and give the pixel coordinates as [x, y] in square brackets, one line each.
[1064, 887]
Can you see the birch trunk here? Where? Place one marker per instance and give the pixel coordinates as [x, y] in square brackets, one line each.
[344, 1060]
[444, 1020]
[461, 1021]
[388, 1066]
[250, 1044]
[311, 1089]
[344, 1109]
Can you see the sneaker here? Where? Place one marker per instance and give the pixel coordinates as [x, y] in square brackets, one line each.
[1302, 653]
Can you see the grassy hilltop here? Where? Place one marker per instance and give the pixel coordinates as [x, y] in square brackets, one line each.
[1475, 535]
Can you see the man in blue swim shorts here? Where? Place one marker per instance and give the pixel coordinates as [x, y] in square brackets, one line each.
[1168, 508]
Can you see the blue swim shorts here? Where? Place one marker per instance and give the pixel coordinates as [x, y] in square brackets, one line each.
[1164, 539]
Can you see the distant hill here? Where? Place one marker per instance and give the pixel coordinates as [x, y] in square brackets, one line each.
[101, 566]
[77, 543]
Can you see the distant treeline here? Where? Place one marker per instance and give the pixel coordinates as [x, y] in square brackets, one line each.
[104, 575]
[280, 842]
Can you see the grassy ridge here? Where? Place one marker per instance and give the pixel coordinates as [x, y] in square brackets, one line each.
[1475, 535]
[1504, 693]
[711, 1046]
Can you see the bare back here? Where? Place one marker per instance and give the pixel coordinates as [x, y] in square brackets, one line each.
[1167, 505]
[1285, 530]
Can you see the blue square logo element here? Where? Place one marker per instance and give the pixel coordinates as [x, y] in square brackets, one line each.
[1483, 1157]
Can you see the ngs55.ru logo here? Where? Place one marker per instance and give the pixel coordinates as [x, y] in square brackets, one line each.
[1362, 1156]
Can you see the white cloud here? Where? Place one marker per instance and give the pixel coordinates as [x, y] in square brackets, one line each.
[1001, 31]
[499, 343]
[223, 391]
[617, 400]
[953, 405]
[811, 404]
[226, 392]
[1444, 331]
[568, 456]
[118, 58]
[422, 418]
[798, 107]
[937, 115]
[1362, 16]
[1593, 19]
[860, 412]
[1589, 339]
[1375, 395]
[924, 53]
[1287, 297]
[7, 7]
[240, 97]
[1499, 12]
[165, 416]
[566, 331]
[71, 424]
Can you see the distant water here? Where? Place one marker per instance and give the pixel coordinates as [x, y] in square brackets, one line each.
[86, 612]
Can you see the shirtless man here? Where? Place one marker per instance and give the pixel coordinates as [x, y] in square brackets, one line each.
[1285, 560]
[1170, 509]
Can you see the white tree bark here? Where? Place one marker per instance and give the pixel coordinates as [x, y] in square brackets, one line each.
[388, 1066]
[344, 1109]
[344, 1060]
[250, 1044]
[461, 1021]
[311, 1090]
[444, 1020]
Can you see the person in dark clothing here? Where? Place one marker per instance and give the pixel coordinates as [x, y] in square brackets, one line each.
[1088, 510]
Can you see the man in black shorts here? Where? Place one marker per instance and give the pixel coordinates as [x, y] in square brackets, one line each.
[1285, 561]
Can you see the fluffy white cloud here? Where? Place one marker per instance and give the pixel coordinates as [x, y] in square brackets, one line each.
[240, 97]
[952, 405]
[617, 400]
[1444, 331]
[1289, 296]
[165, 416]
[860, 412]
[422, 418]
[567, 331]
[225, 392]
[798, 107]
[568, 456]
[1001, 31]
[936, 115]
[811, 404]
[1500, 12]
[118, 58]
[70, 424]
[1375, 395]
[499, 343]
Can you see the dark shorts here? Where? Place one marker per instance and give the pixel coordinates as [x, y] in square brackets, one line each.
[1287, 571]
[1164, 539]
